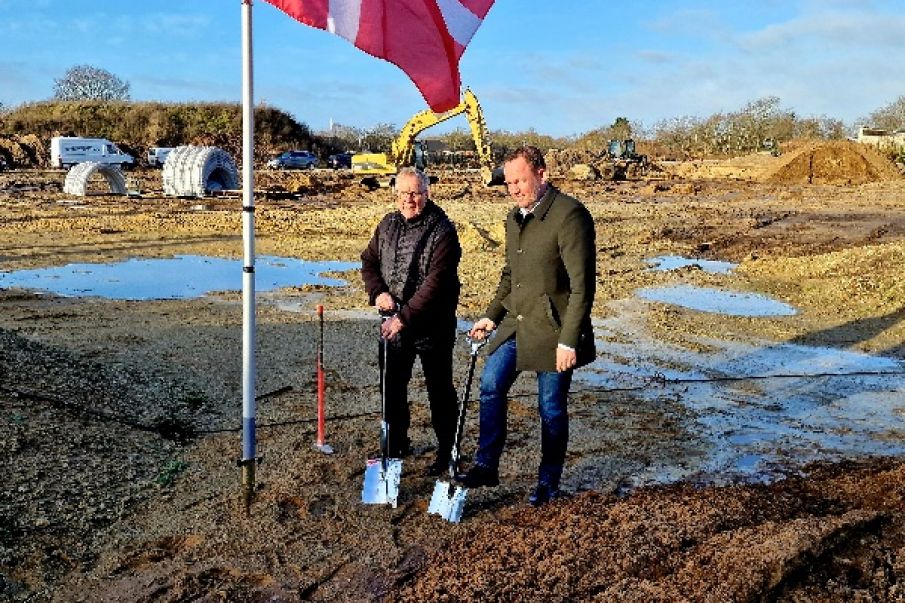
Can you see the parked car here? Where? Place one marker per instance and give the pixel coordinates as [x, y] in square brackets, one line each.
[294, 160]
[157, 156]
[340, 160]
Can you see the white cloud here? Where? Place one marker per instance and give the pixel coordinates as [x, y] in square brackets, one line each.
[831, 30]
[701, 21]
[181, 25]
[655, 56]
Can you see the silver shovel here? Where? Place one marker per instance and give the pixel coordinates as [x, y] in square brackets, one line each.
[448, 499]
[382, 476]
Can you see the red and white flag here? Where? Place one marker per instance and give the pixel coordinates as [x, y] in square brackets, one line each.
[424, 38]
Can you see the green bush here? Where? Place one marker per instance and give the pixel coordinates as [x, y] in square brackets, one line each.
[138, 126]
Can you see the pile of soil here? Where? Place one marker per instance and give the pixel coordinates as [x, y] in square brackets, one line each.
[24, 151]
[746, 167]
[805, 538]
[833, 162]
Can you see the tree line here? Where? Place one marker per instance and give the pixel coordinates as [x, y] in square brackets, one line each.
[98, 101]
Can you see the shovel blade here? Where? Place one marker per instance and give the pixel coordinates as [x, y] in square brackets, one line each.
[447, 501]
[381, 487]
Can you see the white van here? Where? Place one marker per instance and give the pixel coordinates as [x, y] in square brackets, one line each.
[157, 156]
[66, 151]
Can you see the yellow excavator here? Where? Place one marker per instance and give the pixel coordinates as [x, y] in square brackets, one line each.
[378, 169]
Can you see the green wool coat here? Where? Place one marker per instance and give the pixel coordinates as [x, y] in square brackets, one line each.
[547, 285]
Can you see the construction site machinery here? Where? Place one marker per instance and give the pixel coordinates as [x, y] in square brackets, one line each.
[379, 169]
[622, 161]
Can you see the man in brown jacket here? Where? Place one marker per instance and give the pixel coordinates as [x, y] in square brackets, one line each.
[542, 317]
[410, 271]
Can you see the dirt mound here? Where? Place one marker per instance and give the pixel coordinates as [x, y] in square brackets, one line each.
[560, 161]
[474, 237]
[746, 167]
[23, 151]
[833, 162]
[679, 543]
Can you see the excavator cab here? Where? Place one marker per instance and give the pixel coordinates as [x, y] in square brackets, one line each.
[614, 149]
[629, 147]
[621, 149]
[623, 162]
[420, 156]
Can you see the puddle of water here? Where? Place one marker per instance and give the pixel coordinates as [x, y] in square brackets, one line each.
[752, 429]
[665, 263]
[706, 299]
[180, 277]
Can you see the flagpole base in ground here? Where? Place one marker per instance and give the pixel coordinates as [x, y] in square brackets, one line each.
[248, 483]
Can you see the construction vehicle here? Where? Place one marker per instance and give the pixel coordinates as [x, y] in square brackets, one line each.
[622, 162]
[379, 169]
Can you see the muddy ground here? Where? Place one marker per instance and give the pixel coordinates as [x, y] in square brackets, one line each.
[121, 419]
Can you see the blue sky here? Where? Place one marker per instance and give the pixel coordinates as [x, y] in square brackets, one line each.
[561, 68]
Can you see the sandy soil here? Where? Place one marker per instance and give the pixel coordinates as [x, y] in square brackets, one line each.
[121, 418]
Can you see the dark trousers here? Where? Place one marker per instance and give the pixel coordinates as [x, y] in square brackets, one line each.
[436, 362]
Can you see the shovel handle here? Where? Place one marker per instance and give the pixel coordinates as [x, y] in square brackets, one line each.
[476, 344]
[382, 354]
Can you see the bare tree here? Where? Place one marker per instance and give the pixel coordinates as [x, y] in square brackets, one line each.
[84, 82]
[379, 138]
[891, 117]
[346, 137]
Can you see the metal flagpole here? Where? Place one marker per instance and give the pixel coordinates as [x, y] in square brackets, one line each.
[249, 458]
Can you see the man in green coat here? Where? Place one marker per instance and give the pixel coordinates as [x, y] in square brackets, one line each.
[542, 317]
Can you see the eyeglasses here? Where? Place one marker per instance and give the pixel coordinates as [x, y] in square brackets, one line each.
[409, 194]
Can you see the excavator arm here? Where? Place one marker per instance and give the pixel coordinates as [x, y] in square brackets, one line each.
[402, 152]
[403, 149]
[480, 137]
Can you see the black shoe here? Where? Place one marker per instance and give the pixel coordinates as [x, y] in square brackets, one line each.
[393, 453]
[479, 476]
[438, 467]
[542, 494]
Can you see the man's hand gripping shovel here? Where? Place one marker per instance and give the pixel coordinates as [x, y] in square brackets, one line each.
[382, 475]
[448, 499]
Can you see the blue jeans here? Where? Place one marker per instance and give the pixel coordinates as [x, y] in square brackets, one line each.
[552, 393]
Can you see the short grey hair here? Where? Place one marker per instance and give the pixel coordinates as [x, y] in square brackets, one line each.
[423, 180]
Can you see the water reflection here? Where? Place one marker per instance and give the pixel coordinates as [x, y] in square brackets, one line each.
[816, 403]
[665, 263]
[707, 299]
[180, 277]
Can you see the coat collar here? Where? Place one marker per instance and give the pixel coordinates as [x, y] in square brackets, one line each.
[540, 212]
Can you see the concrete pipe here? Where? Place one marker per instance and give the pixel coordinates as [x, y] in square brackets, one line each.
[191, 171]
[77, 177]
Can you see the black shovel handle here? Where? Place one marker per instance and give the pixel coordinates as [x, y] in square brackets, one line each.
[382, 353]
[463, 404]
